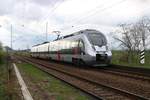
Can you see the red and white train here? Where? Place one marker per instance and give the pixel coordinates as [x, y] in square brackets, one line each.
[86, 46]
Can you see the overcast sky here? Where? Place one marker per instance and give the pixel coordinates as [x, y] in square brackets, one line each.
[29, 17]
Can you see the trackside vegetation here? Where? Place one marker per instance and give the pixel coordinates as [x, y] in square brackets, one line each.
[121, 57]
[133, 40]
[3, 75]
[51, 88]
[9, 87]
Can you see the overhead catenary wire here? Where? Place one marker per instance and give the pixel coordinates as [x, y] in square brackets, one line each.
[94, 12]
[84, 18]
[25, 37]
[51, 12]
[55, 4]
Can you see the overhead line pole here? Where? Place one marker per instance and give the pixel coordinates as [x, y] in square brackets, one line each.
[46, 30]
[11, 37]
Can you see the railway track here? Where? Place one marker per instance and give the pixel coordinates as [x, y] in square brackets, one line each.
[137, 70]
[128, 72]
[125, 73]
[88, 85]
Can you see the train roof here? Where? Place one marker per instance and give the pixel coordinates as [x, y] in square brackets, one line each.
[79, 32]
[40, 44]
[73, 34]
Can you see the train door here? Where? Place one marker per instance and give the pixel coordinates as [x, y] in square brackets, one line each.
[81, 48]
[48, 52]
[78, 53]
[58, 51]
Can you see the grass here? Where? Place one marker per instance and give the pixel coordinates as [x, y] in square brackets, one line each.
[3, 81]
[2, 54]
[59, 89]
[120, 58]
[3, 77]
[9, 88]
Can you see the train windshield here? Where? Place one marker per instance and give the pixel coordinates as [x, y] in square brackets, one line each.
[97, 39]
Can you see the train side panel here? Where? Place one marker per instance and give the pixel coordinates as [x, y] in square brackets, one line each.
[77, 49]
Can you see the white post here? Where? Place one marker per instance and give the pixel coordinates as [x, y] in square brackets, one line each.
[142, 55]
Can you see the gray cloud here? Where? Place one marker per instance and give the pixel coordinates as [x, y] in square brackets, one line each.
[27, 11]
[6, 6]
[34, 14]
[46, 2]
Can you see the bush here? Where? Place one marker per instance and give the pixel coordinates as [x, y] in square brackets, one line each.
[2, 53]
[122, 58]
[1, 56]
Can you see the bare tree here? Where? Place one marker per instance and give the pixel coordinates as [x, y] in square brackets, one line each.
[144, 29]
[128, 40]
[133, 36]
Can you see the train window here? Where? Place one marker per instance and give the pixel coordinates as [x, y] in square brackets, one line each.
[74, 44]
[97, 39]
[67, 45]
[63, 44]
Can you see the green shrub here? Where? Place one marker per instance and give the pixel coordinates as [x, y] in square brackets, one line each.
[122, 58]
